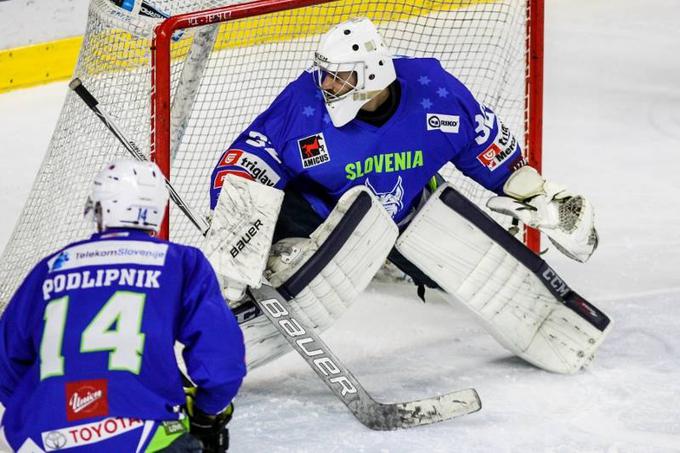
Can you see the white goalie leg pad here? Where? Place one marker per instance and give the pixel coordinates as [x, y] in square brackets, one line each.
[241, 231]
[325, 273]
[513, 303]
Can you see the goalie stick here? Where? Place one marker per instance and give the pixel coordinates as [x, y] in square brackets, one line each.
[373, 414]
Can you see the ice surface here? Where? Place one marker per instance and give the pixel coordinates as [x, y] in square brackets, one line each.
[612, 132]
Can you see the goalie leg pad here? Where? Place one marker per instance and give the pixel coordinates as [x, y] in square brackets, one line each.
[324, 274]
[518, 297]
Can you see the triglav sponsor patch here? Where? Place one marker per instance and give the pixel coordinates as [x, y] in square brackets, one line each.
[246, 165]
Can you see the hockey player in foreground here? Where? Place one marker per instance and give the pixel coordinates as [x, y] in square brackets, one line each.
[363, 124]
[87, 342]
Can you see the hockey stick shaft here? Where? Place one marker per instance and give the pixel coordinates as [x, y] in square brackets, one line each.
[77, 86]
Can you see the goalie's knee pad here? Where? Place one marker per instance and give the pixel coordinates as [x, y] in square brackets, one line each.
[520, 299]
[324, 274]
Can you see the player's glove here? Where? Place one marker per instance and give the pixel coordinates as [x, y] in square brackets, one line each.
[567, 219]
[211, 430]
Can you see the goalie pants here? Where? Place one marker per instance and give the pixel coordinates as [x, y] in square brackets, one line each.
[299, 219]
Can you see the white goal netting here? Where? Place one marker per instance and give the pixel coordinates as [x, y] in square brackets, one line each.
[222, 77]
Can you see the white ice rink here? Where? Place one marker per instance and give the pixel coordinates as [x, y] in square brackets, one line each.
[612, 132]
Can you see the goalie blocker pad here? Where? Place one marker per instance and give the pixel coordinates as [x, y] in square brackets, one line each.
[241, 231]
[521, 300]
[323, 275]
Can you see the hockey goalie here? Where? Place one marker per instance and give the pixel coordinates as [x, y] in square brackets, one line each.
[341, 173]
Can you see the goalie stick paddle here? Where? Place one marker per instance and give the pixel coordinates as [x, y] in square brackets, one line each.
[77, 86]
[373, 414]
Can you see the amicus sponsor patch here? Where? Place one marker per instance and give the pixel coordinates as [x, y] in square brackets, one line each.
[500, 150]
[245, 165]
[313, 150]
[445, 123]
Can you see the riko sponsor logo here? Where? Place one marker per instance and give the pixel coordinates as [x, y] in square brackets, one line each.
[85, 399]
[445, 123]
[500, 150]
[245, 165]
[87, 434]
[313, 150]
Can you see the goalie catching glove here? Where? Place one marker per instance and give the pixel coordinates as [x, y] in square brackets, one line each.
[567, 219]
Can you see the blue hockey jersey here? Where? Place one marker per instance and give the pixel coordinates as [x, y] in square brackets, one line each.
[90, 335]
[437, 121]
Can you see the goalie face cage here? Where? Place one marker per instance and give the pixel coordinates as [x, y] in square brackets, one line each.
[210, 73]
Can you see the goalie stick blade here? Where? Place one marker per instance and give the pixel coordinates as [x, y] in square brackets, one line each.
[340, 380]
[391, 416]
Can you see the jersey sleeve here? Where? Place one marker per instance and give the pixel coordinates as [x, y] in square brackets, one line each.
[489, 152]
[254, 155]
[17, 325]
[214, 350]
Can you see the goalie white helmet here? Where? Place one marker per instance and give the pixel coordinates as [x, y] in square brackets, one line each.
[353, 54]
[128, 194]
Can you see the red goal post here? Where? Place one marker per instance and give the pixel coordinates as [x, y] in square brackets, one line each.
[394, 15]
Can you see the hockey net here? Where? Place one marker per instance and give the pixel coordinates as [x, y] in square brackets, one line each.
[184, 96]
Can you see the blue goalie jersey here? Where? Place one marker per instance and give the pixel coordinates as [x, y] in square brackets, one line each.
[89, 336]
[437, 121]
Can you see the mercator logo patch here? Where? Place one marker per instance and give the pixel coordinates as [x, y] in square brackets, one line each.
[313, 150]
[500, 150]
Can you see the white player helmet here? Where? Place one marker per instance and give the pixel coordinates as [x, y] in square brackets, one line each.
[128, 194]
[353, 46]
